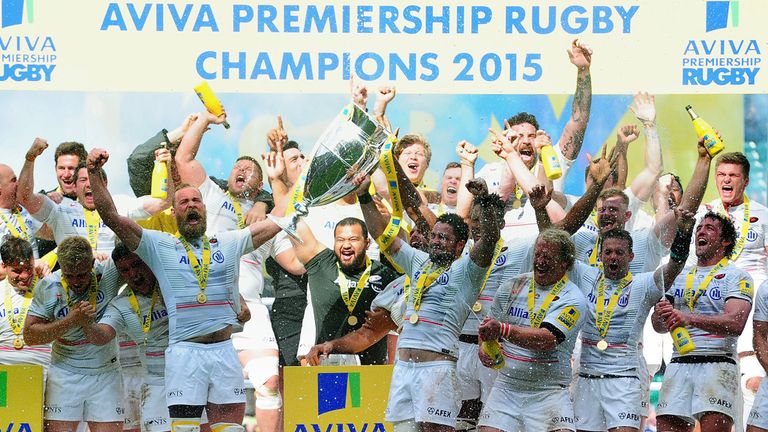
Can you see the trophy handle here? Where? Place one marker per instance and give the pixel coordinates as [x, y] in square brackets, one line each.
[288, 223]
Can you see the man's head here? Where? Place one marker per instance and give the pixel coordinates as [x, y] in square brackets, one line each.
[76, 261]
[553, 256]
[67, 157]
[189, 211]
[449, 187]
[675, 196]
[731, 177]
[350, 244]
[715, 238]
[18, 261]
[294, 163]
[523, 125]
[246, 177]
[616, 253]
[475, 221]
[612, 210]
[447, 239]
[413, 153]
[134, 272]
[83, 186]
[7, 187]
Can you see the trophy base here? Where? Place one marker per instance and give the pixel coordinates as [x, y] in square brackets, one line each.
[288, 224]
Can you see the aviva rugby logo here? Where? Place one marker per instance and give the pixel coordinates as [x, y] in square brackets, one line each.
[14, 11]
[718, 11]
[332, 390]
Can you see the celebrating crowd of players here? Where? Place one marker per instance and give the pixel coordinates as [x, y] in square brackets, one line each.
[154, 315]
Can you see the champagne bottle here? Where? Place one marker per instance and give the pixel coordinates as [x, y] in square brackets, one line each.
[703, 130]
[551, 163]
[210, 100]
[493, 350]
[682, 340]
[160, 175]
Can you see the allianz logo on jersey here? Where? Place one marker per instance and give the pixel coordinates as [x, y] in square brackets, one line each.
[517, 312]
[80, 223]
[623, 300]
[713, 293]
[442, 280]
[217, 256]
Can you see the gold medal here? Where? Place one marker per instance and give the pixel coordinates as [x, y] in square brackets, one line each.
[18, 343]
[352, 320]
[602, 345]
[516, 204]
[477, 307]
[202, 298]
[414, 318]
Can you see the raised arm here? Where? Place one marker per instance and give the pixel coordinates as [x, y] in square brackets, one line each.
[25, 190]
[679, 250]
[126, 229]
[374, 220]
[190, 170]
[573, 135]
[491, 210]
[309, 247]
[694, 193]
[645, 110]
[468, 156]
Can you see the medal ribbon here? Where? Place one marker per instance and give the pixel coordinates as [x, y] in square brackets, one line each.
[93, 291]
[238, 211]
[344, 286]
[387, 163]
[594, 257]
[537, 318]
[689, 296]
[424, 281]
[16, 231]
[739, 246]
[496, 253]
[92, 220]
[17, 323]
[201, 270]
[146, 323]
[603, 313]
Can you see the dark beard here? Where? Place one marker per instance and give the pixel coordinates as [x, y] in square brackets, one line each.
[356, 265]
[441, 258]
[191, 232]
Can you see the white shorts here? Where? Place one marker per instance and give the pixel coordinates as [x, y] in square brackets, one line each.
[758, 416]
[196, 374]
[690, 390]
[71, 396]
[475, 380]
[518, 408]
[424, 392]
[154, 410]
[257, 333]
[605, 403]
[133, 381]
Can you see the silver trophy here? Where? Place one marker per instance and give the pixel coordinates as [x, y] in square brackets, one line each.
[349, 146]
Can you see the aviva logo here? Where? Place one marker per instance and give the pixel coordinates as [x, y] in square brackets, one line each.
[13, 12]
[332, 390]
[717, 14]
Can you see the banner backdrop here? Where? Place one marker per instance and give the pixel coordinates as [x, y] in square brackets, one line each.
[21, 398]
[112, 73]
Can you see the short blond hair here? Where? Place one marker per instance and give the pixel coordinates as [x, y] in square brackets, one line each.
[409, 140]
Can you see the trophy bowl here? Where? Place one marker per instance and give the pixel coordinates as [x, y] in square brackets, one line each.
[350, 145]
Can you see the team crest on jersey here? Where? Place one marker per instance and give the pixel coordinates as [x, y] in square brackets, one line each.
[501, 260]
[624, 300]
[443, 279]
[568, 317]
[751, 235]
[213, 241]
[753, 219]
[745, 288]
[719, 276]
[218, 256]
[504, 249]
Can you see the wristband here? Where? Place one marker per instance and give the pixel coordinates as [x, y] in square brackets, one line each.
[506, 330]
[365, 198]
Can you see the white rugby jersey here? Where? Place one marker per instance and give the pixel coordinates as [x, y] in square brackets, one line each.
[27, 229]
[761, 303]
[646, 246]
[167, 258]
[729, 282]
[545, 369]
[515, 258]
[625, 331]
[444, 305]
[72, 351]
[251, 282]
[38, 354]
[121, 317]
[68, 219]
[219, 208]
[392, 299]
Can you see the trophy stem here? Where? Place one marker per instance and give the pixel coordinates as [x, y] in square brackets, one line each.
[288, 223]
